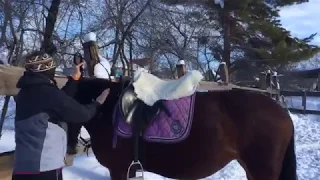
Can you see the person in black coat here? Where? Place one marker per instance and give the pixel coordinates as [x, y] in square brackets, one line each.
[74, 128]
[42, 111]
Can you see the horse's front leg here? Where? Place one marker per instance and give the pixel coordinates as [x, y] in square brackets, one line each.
[72, 134]
[117, 174]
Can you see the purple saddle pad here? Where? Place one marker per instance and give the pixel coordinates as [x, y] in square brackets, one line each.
[163, 128]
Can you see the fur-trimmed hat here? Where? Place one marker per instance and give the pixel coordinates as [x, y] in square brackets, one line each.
[39, 62]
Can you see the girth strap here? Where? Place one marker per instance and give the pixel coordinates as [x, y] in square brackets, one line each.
[136, 130]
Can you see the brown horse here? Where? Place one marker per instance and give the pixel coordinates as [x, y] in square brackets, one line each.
[228, 125]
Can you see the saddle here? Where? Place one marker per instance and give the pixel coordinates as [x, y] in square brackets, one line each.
[143, 106]
[134, 109]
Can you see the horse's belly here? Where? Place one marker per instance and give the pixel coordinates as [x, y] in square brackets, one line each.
[185, 160]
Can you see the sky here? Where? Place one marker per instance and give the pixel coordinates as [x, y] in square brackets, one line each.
[302, 20]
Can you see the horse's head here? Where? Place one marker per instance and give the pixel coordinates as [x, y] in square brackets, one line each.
[90, 89]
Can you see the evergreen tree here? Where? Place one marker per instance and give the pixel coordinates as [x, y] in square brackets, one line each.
[253, 28]
[256, 29]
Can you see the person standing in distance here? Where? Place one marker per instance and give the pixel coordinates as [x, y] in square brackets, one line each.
[74, 128]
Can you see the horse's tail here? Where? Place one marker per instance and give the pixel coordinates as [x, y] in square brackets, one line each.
[289, 164]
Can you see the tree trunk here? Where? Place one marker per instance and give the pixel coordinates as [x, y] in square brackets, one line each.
[4, 112]
[226, 36]
[47, 44]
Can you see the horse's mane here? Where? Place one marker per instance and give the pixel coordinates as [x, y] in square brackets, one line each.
[91, 88]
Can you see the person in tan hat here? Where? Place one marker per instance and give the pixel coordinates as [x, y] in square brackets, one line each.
[41, 110]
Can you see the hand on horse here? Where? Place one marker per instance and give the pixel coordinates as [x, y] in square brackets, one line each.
[103, 96]
[77, 72]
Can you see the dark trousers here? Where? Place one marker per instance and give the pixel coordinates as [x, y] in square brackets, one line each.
[48, 175]
[73, 133]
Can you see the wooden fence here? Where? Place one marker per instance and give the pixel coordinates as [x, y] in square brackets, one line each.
[304, 96]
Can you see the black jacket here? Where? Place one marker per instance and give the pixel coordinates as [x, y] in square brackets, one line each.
[46, 97]
[40, 108]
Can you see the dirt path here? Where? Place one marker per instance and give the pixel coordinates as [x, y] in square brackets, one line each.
[6, 162]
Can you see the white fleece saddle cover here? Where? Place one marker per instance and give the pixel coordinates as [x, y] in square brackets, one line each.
[150, 88]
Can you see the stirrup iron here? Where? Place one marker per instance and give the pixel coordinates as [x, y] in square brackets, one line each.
[140, 177]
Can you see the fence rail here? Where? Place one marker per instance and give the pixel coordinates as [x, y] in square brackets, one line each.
[304, 96]
[300, 93]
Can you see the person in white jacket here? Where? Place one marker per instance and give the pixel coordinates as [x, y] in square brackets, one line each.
[102, 69]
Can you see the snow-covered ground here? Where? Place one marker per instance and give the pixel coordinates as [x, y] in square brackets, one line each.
[307, 136]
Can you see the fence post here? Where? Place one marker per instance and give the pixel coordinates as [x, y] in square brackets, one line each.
[268, 79]
[275, 82]
[262, 80]
[181, 68]
[223, 72]
[304, 101]
[268, 82]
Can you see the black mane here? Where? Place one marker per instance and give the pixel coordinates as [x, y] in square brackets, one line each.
[90, 88]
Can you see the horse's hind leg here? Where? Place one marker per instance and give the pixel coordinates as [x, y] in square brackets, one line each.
[262, 165]
[263, 171]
